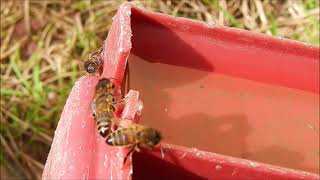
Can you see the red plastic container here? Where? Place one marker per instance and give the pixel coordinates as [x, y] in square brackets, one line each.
[213, 89]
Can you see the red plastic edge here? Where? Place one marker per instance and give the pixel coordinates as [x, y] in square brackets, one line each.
[78, 151]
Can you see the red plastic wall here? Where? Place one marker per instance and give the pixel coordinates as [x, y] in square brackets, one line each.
[225, 50]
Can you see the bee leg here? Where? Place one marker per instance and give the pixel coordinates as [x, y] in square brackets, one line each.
[137, 148]
[113, 127]
[94, 107]
[162, 153]
[120, 101]
[129, 153]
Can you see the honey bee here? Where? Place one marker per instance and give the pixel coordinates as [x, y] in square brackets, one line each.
[94, 63]
[103, 106]
[135, 136]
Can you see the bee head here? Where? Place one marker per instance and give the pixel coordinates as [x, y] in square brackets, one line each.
[105, 85]
[155, 137]
[90, 67]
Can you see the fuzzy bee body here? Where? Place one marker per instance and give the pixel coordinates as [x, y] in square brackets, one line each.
[94, 63]
[104, 123]
[135, 134]
[107, 98]
[103, 106]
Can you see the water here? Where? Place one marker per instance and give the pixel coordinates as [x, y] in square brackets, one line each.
[228, 115]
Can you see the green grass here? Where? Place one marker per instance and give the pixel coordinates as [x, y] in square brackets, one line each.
[273, 26]
[14, 60]
[310, 4]
[229, 17]
[311, 33]
[11, 92]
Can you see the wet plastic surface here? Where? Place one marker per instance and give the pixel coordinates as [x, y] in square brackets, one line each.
[229, 115]
[78, 152]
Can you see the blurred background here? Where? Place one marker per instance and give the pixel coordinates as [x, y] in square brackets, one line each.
[43, 44]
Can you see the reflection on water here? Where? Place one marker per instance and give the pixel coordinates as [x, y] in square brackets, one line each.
[228, 115]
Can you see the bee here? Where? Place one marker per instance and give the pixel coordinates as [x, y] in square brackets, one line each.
[94, 63]
[103, 106]
[135, 136]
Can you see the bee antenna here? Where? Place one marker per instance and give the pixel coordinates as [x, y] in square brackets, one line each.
[111, 78]
[162, 152]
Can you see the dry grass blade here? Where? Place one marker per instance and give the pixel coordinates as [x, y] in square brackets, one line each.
[261, 13]
[176, 9]
[44, 137]
[27, 15]
[12, 154]
[6, 41]
[36, 163]
[12, 48]
[35, 167]
[223, 5]
[15, 118]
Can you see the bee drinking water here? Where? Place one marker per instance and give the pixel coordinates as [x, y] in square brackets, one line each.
[103, 106]
[135, 136]
[94, 62]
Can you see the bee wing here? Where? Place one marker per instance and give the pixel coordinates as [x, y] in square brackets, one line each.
[94, 106]
[96, 52]
[121, 123]
[82, 66]
[122, 137]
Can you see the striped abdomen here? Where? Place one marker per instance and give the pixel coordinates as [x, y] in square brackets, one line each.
[104, 123]
[135, 134]
[122, 137]
[103, 110]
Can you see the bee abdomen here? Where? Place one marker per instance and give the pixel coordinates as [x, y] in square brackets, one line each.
[104, 125]
[118, 138]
